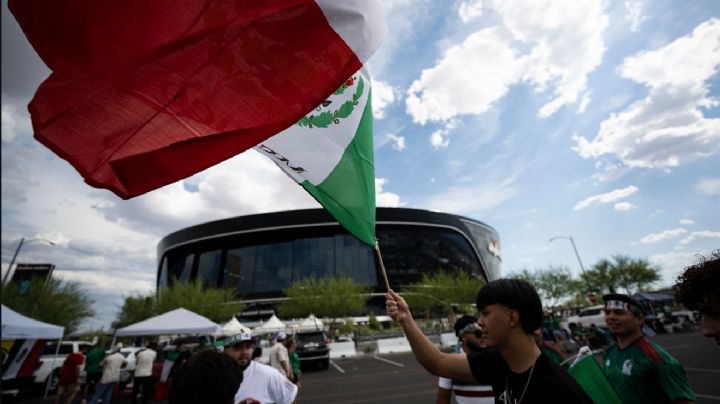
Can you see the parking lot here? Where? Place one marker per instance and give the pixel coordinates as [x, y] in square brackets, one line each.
[398, 378]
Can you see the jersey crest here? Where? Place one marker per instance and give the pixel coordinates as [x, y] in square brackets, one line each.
[627, 367]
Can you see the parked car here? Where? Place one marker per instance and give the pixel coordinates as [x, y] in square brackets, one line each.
[313, 347]
[589, 315]
[50, 363]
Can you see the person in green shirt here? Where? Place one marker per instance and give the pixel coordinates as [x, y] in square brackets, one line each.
[93, 369]
[291, 345]
[640, 370]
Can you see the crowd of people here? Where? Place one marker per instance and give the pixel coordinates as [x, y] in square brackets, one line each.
[511, 352]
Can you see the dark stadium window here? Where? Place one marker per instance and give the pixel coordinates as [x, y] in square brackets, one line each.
[163, 278]
[180, 267]
[313, 257]
[273, 267]
[355, 259]
[239, 269]
[410, 253]
[209, 267]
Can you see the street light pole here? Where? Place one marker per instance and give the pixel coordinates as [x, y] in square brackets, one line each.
[17, 250]
[582, 268]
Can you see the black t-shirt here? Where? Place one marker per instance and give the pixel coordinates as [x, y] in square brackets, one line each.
[549, 383]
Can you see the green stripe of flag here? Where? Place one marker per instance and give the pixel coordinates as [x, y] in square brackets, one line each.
[348, 193]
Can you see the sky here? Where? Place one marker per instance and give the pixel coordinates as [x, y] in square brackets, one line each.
[596, 120]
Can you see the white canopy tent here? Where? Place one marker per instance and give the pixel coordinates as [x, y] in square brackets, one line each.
[16, 326]
[233, 327]
[311, 323]
[178, 321]
[272, 325]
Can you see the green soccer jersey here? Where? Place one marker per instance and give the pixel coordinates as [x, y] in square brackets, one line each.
[644, 373]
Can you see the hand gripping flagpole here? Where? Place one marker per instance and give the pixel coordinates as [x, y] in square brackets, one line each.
[382, 266]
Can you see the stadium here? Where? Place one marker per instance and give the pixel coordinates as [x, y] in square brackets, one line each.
[260, 255]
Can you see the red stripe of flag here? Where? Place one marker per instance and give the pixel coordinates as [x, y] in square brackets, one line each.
[145, 93]
[30, 363]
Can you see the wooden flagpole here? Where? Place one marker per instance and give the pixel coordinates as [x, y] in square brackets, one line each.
[382, 266]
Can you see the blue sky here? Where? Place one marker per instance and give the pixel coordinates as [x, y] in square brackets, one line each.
[594, 119]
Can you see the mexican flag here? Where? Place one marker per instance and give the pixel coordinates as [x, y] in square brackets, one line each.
[20, 357]
[330, 153]
[145, 93]
[592, 379]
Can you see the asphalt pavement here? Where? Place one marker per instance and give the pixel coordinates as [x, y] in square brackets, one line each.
[400, 379]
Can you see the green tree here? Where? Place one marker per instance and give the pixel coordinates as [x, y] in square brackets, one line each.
[554, 284]
[57, 302]
[442, 291]
[630, 274]
[526, 275]
[373, 322]
[329, 297]
[634, 274]
[219, 305]
[600, 278]
[135, 309]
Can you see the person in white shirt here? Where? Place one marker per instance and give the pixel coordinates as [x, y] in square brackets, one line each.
[279, 358]
[469, 340]
[142, 380]
[111, 366]
[261, 383]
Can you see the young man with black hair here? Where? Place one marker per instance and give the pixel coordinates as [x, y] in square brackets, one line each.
[510, 311]
[470, 340]
[207, 376]
[638, 369]
[698, 288]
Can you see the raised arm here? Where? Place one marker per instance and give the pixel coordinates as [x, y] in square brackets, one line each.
[429, 356]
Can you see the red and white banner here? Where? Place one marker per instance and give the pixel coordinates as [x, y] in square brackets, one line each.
[145, 93]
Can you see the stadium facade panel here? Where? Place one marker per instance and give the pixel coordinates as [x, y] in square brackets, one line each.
[260, 255]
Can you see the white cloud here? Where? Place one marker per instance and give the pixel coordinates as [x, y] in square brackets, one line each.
[470, 10]
[667, 128]
[624, 206]
[383, 95]
[686, 222]
[8, 124]
[463, 82]
[710, 186]
[438, 140]
[471, 199]
[398, 142]
[608, 197]
[543, 43]
[705, 234]
[663, 235]
[405, 18]
[609, 172]
[584, 103]
[634, 13]
[386, 199]
[673, 263]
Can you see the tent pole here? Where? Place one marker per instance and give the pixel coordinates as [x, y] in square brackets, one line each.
[47, 382]
[112, 344]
